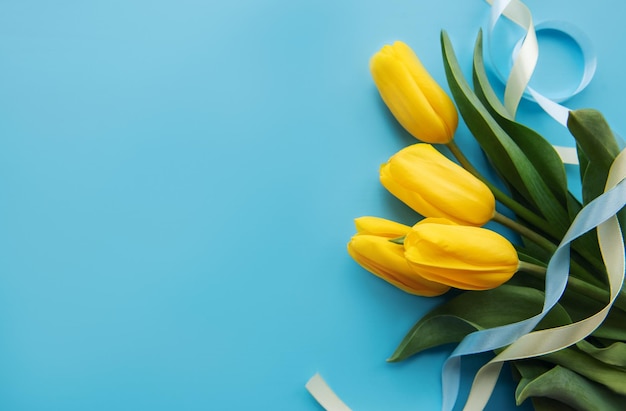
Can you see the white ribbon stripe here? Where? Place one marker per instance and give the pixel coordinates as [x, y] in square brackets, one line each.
[525, 57]
[324, 395]
[546, 341]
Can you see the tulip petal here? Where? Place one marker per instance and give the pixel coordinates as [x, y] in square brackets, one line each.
[386, 260]
[380, 227]
[435, 186]
[440, 101]
[405, 99]
[469, 258]
[413, 97]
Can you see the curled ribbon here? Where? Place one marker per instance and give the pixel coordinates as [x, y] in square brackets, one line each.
[525, 344]
[600, 213]
[324, 395]
[522, 343]
[525, 59]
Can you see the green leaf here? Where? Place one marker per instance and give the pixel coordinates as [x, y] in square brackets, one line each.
[579, 307]
[528, 371]
[506, 156]
[539, 257]
[613, 326]
[586, 246]
[593, 134]
[575, 303]
[583, 161]
[475, 310]
[573, 205]
[537, 149]
[594, 180]
[584, 364]
[431, 332]
[614, 354]
[598, 145]
[572, 389]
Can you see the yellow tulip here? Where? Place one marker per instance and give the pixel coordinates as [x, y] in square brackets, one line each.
[434, 186]
[469, 258]
[371, 248]
[412, 95]
[380, 227]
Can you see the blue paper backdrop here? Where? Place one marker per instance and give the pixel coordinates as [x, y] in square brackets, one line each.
[178, 181]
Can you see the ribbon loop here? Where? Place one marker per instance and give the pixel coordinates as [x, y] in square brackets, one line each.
[525, 56]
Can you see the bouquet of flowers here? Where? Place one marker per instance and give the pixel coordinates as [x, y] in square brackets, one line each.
[553, 300]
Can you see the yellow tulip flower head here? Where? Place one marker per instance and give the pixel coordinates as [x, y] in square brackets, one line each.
[371, 248]
[469, 258]
[434, 186]
[412, 95]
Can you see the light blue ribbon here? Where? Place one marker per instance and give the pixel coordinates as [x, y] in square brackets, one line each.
[591, 216]
[517, 12]
[524, 57]
[594, 214]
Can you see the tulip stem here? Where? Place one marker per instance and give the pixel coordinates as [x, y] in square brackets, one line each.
[543, 243]
[537, 270]
[525, 231]
[577, 285]
[523, 212]
[528, 216]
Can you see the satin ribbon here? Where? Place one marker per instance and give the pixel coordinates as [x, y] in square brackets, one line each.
[521, 341]
[525, 344]
[525, 57]
[550, 340]
[600, 213]
[324, 395]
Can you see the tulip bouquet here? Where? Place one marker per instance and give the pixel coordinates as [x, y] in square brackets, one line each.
[498, 282]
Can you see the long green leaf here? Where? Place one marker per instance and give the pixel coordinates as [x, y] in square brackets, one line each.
[598, 144]
[529, 370]
[614, 354]
[475, 310]
[579, 307]
[596, 172]
[505, 155]
[537, 149]
[432, 332]
[612, 327]
[583, 161]
[594, 135]
[594, 180]
[572, 389]
[584, 364]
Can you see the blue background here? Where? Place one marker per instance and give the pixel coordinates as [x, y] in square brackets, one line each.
[178, 181]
